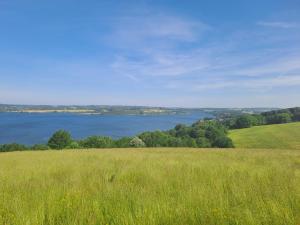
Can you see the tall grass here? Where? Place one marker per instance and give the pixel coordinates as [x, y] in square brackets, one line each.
[150, 186]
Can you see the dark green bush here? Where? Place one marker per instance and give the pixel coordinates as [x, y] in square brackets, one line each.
[73, 145]
[12, 147]
[175, 142]
[60, 139]
[122, 142]
[155, 138]
[223, 142]
[97, 142]
[296, 116]
[203, 142]
[245, 121]
[189, 142]
[279, 118]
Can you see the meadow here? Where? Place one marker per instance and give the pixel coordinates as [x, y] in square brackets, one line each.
[284, 136]
[150, 186]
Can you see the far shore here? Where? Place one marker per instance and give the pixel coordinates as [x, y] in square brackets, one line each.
[57, 111]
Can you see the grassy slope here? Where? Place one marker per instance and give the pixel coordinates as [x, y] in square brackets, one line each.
[270, 136]
[150, 186]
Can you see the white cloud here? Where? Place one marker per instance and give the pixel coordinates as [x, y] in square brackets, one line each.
[154, 29]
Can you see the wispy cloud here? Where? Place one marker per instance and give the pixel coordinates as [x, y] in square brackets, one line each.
[169, 55]
[261, 84]
[150, 28]
[151, 45]
[162, 64]
[278, 24]
[153, 31]
[210, 65]
[272, 66]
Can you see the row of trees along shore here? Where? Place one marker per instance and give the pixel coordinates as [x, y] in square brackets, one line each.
[203, 134]
[207, 133]
[265, 118]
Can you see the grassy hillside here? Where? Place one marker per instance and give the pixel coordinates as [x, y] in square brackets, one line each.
[269, 136]
[150, 186]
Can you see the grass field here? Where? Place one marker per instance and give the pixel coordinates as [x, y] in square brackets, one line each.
[285, 136]
[150, 186]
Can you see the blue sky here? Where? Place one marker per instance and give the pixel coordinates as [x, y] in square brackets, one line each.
[159, 53]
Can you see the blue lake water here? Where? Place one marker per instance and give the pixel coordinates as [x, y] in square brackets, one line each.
[31, 128]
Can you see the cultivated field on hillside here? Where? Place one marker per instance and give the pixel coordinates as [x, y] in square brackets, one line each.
[150, 186]
[284, 136]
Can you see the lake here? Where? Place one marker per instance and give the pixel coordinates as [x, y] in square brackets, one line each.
[32, 128]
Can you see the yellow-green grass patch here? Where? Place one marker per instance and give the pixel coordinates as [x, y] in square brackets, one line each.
[150, 186]
[284, 136]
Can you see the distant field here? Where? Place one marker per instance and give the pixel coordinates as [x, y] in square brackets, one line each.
[150, 186]
[285, 136]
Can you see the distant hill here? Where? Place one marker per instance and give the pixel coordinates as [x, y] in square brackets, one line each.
[96, 109]
[269, 136]
[128, 110]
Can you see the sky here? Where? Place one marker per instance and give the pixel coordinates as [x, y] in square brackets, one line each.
[201, 53]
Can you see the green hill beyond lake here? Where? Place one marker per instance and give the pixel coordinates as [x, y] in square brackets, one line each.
[285, 136]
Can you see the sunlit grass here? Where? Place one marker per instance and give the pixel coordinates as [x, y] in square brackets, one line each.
[150, 186]
[285, 136]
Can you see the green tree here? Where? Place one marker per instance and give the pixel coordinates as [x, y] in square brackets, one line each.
[189, 142]
[123, 142]
[12, 147]
[258, 120]
[155, 139]
[60, 139]
[73, 145]
[175, 142]
[97, 142]
[181, 130]
[296, 116]
[279, 118]
[212, 132]
[244, 121]
[203, 142]
[223, 142]
[196, 132]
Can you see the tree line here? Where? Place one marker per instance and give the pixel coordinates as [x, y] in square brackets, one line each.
[207, 133]
[202, 134]
[265, 118]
